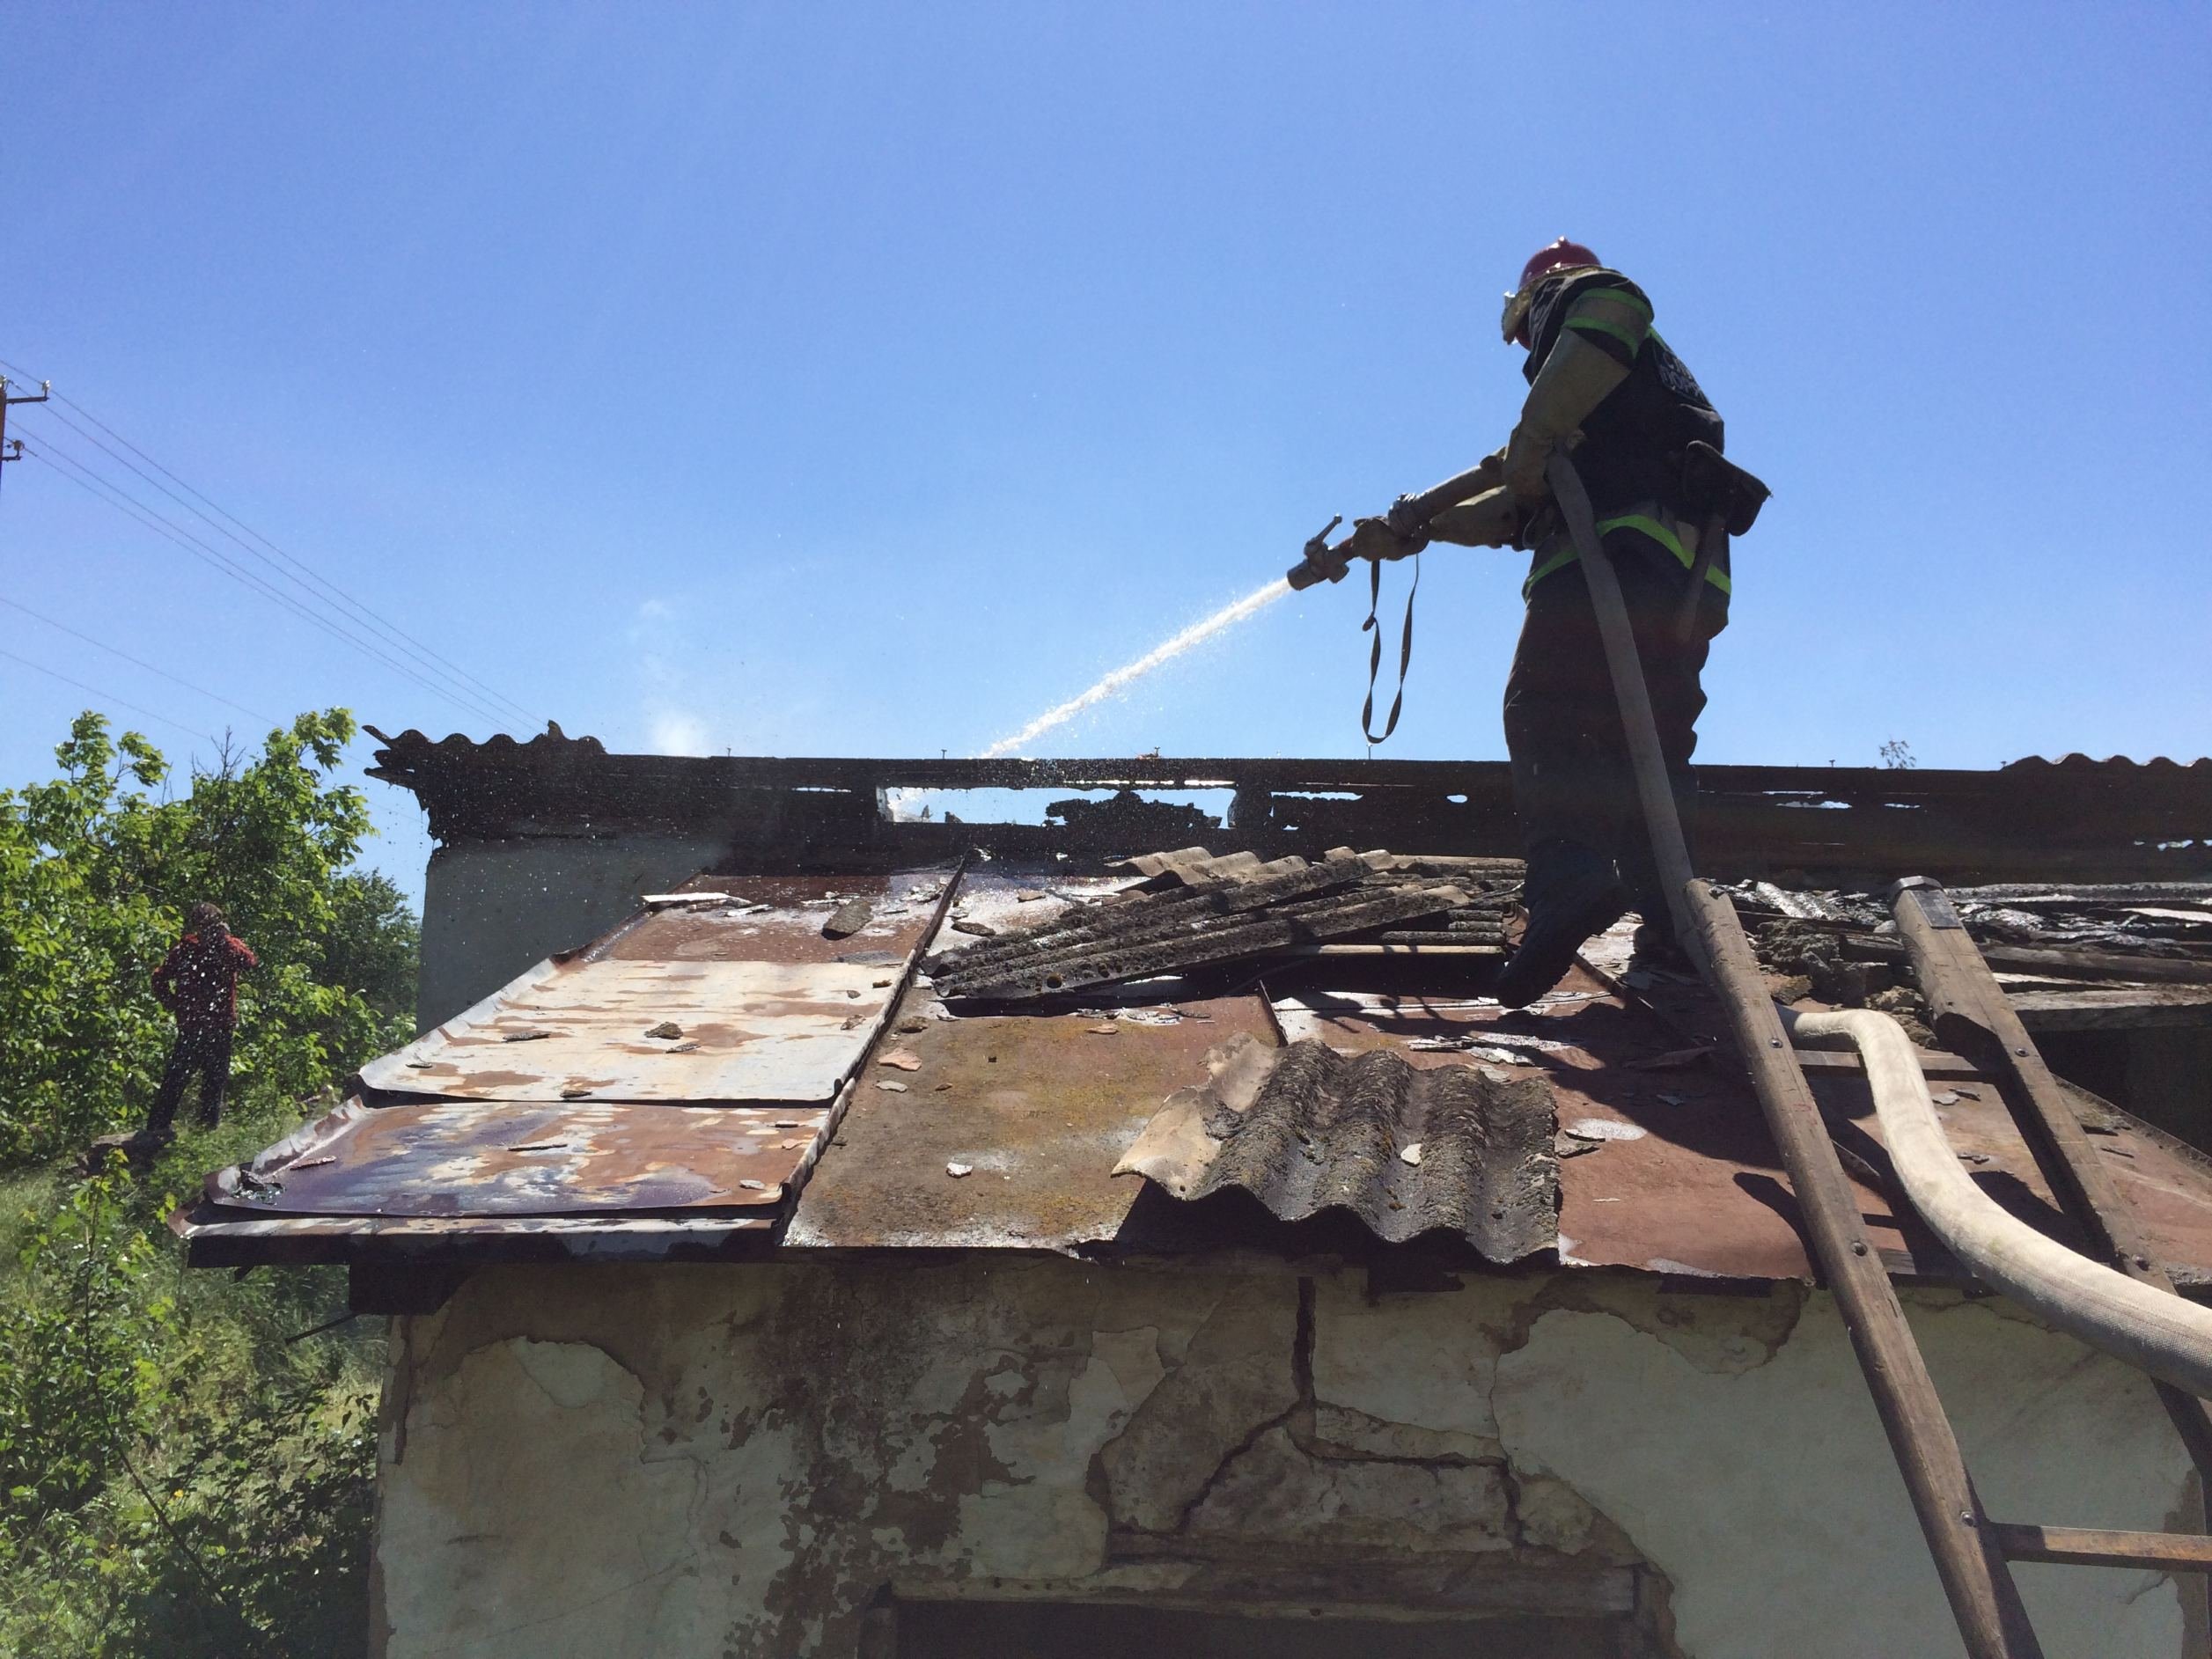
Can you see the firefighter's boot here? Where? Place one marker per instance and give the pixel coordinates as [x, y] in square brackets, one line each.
[1571, 892]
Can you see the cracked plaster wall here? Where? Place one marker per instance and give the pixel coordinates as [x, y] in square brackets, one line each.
[733, 1461]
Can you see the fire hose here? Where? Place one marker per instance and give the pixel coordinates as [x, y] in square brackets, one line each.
[2154, 1331]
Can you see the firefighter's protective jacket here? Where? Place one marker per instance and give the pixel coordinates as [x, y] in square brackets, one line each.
[1630, 458]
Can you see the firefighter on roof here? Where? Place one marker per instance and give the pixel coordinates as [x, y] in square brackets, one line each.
[1605, 385]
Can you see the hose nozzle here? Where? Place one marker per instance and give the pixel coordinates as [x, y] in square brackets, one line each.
[1321, 563]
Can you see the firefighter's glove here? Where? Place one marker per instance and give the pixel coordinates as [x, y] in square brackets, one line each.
[1492, 519]
[1374, 539]
[1575, 379]
[1406, 515]
[1409, 515]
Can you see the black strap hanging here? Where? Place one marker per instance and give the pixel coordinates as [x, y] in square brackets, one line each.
[1375, 654]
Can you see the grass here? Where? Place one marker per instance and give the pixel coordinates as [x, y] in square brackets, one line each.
[223, 1496]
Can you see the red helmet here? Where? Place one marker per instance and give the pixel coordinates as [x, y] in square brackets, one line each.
[1561, 255]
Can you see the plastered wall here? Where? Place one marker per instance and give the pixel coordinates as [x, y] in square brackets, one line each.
[742, 1460]
[493, 909]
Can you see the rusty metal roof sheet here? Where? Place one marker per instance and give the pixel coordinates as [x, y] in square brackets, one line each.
[1038, 1107]
[686, 1068]
[625, 1030]
[1304, 1129]
[465, 1157]
[221, 1237]
[786, 918]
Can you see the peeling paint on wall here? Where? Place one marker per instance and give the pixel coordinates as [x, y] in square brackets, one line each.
[741, 1460]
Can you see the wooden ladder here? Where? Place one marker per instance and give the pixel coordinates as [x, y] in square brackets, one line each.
[1972, 1552]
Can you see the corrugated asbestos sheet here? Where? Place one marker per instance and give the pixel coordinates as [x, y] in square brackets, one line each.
[1221, 911]
[1305, 1129]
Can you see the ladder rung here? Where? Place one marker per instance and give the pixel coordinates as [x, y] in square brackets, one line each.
[2090, 1546]
[1935, 1064]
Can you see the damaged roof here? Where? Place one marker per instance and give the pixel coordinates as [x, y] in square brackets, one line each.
[1465, 1149]
[1220, 911]
[2033, 820]
[824, 1045]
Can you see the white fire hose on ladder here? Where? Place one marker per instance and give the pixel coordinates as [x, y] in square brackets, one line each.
[2151, 1329]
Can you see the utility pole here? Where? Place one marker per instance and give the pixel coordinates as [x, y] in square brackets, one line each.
[13, 451]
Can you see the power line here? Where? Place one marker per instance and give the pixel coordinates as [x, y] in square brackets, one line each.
[113, 651]
[300, 572]
[430, 660]
[335, 623]
[104, 696]
[105, 490]
[12, 450]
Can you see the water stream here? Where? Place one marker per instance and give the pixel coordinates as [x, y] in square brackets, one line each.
[1122, 678]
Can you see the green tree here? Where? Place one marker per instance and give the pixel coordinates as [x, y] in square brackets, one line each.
[186, 1468]
[95, 875]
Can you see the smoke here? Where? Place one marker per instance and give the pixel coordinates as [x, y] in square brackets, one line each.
[1122, 678]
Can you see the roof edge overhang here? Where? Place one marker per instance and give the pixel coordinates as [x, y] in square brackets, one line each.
[2033, 820]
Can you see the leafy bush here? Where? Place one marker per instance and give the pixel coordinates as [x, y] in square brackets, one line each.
[77, 1347]
[95, 877]
[181, 1474]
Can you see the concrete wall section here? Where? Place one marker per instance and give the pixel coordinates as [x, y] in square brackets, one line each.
[711, 1461]
[491, 909]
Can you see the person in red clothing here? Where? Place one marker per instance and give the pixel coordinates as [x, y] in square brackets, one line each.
[197, 982]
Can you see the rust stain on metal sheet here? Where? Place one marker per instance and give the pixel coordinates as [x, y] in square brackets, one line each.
[901, 906]
[453, 1158]
[752, 1030]
[1039, 1108]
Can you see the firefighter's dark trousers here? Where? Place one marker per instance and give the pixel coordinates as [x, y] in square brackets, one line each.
[203, 1049]
[1574, 790]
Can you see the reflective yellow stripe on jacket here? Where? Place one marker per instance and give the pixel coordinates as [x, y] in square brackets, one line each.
[1643, 524]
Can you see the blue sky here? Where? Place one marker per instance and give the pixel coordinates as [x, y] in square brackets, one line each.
[837, 379]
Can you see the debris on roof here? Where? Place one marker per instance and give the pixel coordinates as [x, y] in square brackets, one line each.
[2077, 819]
[2051, 947]
[1201, 912]
[703, 1080]
[1304, 1129]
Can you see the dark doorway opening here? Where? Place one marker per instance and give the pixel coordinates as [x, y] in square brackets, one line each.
[1078, 1630]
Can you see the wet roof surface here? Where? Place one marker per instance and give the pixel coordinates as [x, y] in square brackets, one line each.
[1038, 1107]
[467, 1157]
[764, 1067]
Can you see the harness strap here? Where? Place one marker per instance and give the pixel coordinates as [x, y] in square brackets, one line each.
[1375, 652]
